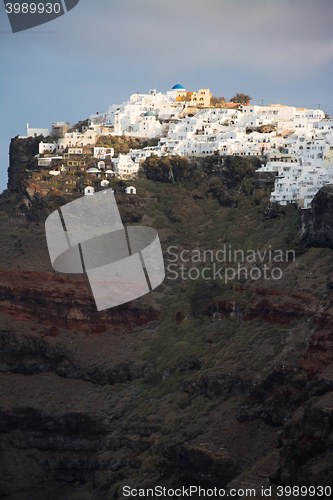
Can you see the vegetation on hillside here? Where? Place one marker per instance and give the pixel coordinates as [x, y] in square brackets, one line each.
[218, 102]
[223, 178]
[122, 144]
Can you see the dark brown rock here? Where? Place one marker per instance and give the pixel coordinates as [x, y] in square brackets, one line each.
[317, 221]
[60, 301]
[54, 331]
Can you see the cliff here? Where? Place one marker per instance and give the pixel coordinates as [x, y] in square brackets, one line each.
[317, 221]
[211, 383]
[21, 152]
[52, 299]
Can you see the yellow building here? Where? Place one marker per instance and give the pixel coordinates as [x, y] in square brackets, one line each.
[202, 98]
[183, 96]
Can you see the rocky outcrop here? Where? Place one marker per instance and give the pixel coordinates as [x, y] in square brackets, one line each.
[63, 302]
[276, 398]
[271, 305]
[302, 412]
[221, 386]
[317, 220]
[189, 465]
[319, 353]
[30, 355]
[306, 457]
[65, 448]
[21, 154]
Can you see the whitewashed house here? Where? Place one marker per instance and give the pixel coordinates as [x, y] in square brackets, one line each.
[147, 126]
[75, 151]
[89, 190]
[76, 139]
[46, 147]
[102, 153]
[44, 162]
[109, 173]
[304, 166]
[35, 132]
[93, 171]
[125, 167]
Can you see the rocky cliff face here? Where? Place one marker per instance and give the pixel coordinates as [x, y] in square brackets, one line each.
[22, 152]
[211, 385]
[306, 455]
[317, 221]
[64, 302]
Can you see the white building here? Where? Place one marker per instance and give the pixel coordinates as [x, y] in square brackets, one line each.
[125, 167]
[109, 173]
[46, 147]
[299, 147]
[74, 141]
[139, 155]
[303, 168]
[125, 118]
[89, 190]
[45, 162]
[77, 139]
[35, 132]
[147, 126]
[93, 170]
[75, 151]
[102, 153]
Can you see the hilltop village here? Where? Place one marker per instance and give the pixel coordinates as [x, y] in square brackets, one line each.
[294, 144]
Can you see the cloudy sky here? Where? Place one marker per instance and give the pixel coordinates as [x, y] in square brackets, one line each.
[278, 51]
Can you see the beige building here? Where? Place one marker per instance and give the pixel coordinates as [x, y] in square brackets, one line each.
[202, 98]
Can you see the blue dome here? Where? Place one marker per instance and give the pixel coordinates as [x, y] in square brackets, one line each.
[149, 113]
[178, 87]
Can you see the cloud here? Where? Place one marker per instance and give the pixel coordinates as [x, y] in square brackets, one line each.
[283, 38]
[290, 38]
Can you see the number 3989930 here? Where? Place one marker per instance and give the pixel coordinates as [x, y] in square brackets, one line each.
[33, 8]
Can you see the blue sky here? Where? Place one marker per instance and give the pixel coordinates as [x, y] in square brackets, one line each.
[278, 51]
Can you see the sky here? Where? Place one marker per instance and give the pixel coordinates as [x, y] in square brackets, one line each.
[102, 51]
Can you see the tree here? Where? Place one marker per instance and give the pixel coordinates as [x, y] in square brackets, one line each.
[241, 98]
[218, 101]
[169, 169]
